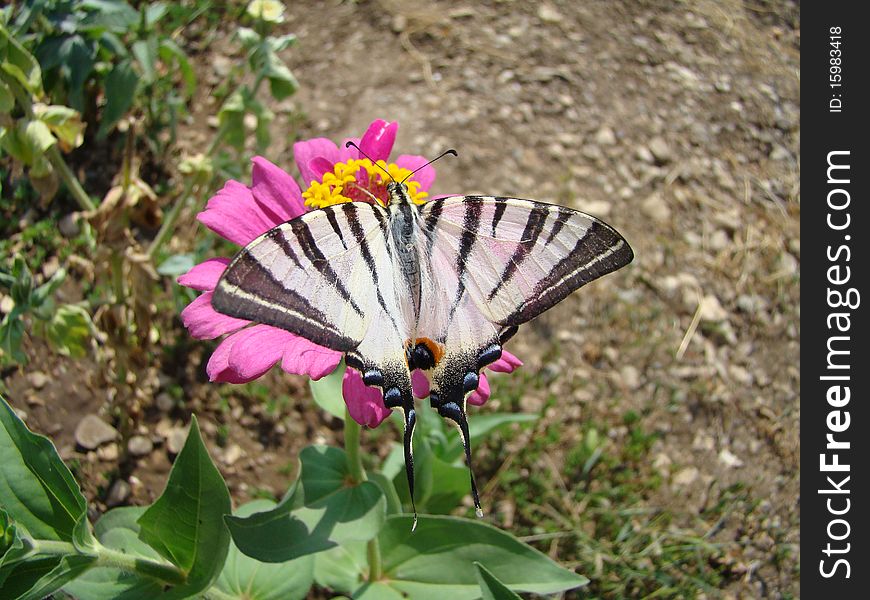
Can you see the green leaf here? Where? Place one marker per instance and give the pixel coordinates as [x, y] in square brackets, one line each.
[169, 50]
[491, 587]
[321, 511]
[249, 38]
[248, 579]
[19, 63]
[69, 331]
[394, 504]
[378, 591]
[177, 264]
[281, 42]
[327, 394]
[36, 488]
[47, 289]
[77, 64]
[38, 137]
[117, 16]
[342, 568]
[121, 83]
[437, 560]
[480, 426]
[39, 577]
[282, 82]
[65, 123]
[7, 99]
[154, 12]
[185, 524]
[145, 52]
[11, 334]
[118, 530]
[23, 286]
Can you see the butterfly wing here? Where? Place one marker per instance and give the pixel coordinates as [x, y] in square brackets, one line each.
[512, 259]
[328, 277]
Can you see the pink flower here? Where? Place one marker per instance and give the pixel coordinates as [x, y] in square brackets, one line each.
[240, 213]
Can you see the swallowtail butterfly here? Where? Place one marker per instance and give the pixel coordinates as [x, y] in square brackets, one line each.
[439, 287]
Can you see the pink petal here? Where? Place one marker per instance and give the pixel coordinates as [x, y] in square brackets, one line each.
[377, 142]
[419, 383]
[426, 175]
[320, 166]
[233, 214]
[506, 364]
[365, 404]
[479, 396]
[204, 322]
[345, 153]
[205, 275]
[277, 194]
[305, 152]
[304, 357]
[218, 368]
[258, 350]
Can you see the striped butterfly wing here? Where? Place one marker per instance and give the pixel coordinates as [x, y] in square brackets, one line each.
[494, 264]
[326, 276]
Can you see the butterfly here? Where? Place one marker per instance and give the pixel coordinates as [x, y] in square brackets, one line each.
[439, 287]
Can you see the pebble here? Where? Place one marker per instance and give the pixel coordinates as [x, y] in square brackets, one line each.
[605, 136]
[92, 432]
[630, 377]
[175, 439]
[548, 14]
[686, 476]
[37, 379]
[729, 459]
[118, 493]
[660, 150]
[656, 208]
[164, 402]
[711, 309]
[232, 454]
[139, 445]
[69, 225]
[108, 453]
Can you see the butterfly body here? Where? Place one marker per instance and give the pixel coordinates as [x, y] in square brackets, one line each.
[438, 287]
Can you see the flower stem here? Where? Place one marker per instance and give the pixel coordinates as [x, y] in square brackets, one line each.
[351, 448]
[358, 474]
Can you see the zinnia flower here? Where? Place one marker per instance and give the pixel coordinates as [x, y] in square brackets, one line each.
[240, 213]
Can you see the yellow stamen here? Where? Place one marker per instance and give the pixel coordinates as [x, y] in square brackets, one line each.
[346, 184]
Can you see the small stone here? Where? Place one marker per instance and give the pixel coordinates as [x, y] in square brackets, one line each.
[711, 309]
[399, 23]
[644, 154]
[92, 432]
[37, 379]
[118, 493]
[605, 136]
[686, 476]
[221, 65]
[548, 14]
[656, 208]
[729, 459]
[630, 377]
[779, 153]
[164, 402]
[108, 453]
[69, 225]
[662, 462]
[660, 150]
[232, 454]
[599, 208]
[50, 266]
[6, 304]
[175, 439]
[139, 445]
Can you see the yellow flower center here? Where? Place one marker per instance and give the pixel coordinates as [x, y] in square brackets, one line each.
[360, 181]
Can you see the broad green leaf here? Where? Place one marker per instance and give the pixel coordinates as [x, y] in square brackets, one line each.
[121, 85]
[65, 123]
[491, 587]
[120, 17]
[118, 530]
[437, 560]
[379, 591]
[19, 63]
[281, 42]
[321, 511]
[282, 82]
[47, 289]
[36, 489]
[145, 52]
[36, 578]
[77, 64]
[231, 117]
[39, 137]
[154, 12]
[341, 568]
[327, 393]
[394, 504]
[69, 331]
[248, 579]
[249, 38]
[185, 524]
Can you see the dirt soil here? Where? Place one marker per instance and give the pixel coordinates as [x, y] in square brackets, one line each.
[677, 123]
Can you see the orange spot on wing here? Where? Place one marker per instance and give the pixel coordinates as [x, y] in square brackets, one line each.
[434, 347]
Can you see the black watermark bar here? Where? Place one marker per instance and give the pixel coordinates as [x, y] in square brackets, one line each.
[835, 301]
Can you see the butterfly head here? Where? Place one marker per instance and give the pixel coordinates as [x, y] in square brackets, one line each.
[398, 193]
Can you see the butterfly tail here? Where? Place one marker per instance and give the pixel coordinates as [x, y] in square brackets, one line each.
[456, 413]
[410, 422]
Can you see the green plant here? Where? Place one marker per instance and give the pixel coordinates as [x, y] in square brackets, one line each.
[340, 526]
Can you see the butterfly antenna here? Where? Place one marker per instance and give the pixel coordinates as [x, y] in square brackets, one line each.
[410, 422]
[442, 155]
[351, 144]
